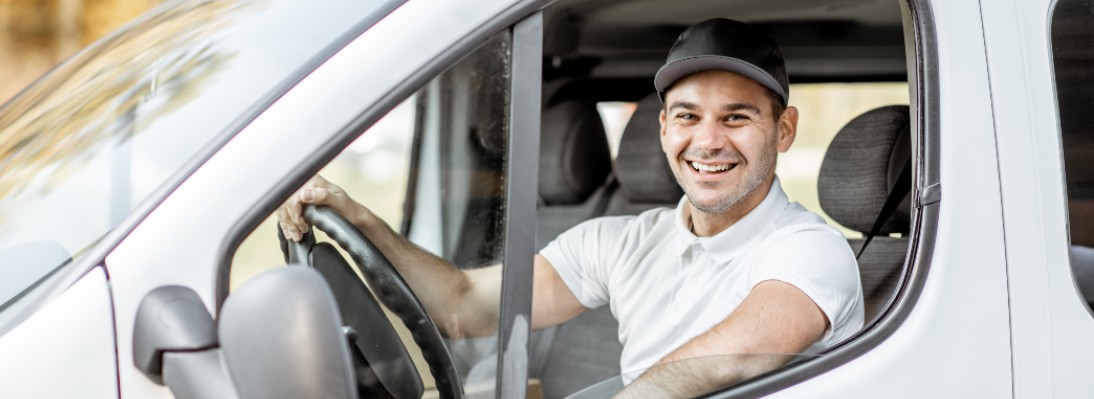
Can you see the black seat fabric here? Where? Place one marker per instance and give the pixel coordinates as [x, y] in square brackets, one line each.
[859, 169]
[645, 179]
[574, 156]
[574, 164]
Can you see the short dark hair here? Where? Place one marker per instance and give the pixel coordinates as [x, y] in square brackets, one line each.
[777, 107]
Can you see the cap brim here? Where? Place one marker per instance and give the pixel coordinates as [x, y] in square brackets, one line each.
[672, 72]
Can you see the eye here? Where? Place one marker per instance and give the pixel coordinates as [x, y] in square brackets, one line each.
[737, 118]
[687, 117]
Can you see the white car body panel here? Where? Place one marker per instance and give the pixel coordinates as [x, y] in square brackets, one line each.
[955, 342]
[65, 350]
[1051, 326]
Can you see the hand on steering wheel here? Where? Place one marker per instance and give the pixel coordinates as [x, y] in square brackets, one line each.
[319, 192]
[294, 218]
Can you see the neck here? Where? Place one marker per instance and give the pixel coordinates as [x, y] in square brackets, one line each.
[707, 224]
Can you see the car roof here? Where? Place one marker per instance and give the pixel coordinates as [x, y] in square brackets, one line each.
[822, 41]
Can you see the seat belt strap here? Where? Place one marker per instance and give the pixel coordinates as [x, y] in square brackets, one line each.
[896, 195]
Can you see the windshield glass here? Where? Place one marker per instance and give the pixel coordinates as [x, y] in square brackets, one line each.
[89, 142]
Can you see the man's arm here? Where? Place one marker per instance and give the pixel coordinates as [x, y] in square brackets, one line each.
[463, 303]
[775, 318]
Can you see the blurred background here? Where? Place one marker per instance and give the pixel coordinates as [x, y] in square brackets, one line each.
[35, 35]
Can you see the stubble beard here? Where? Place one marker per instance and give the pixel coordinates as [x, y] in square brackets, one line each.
[753, 178]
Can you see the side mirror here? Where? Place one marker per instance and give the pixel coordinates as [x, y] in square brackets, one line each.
[279, 336]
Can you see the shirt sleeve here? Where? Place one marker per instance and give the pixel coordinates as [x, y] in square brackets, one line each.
[818, 261]
[579, 256]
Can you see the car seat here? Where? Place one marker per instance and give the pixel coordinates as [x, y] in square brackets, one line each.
[575, 163]
[641, 169]
[859, 169]
[586, 350]
[574, 185]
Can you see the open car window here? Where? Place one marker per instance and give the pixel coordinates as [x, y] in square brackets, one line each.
[431, 169]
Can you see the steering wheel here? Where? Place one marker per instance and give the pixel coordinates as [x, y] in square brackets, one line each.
[367, 327]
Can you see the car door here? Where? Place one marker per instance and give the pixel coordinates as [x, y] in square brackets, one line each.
[190, 238]
[1038, 53]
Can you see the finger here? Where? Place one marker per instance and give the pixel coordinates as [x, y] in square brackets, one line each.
[296, 215]
[282, 218]
[315, 196]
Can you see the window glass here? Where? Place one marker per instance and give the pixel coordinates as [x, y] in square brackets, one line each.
[90, 141]
[432, 169]
[1072, 39]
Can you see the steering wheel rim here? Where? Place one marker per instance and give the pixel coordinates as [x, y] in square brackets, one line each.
[390, 288]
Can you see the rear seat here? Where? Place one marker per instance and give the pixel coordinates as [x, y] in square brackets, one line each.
[859, 169]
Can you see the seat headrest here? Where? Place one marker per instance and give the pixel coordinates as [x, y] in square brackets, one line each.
[644, 174]
[573, 153]
[860, 167]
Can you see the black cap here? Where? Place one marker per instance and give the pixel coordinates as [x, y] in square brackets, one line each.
[725, 45]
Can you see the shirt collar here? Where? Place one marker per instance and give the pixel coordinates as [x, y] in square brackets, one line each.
[726, 245]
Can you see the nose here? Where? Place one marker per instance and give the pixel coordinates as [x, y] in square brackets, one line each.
[710, 136]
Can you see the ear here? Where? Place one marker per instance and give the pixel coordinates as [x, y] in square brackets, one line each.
[661, 119]
[788, 128]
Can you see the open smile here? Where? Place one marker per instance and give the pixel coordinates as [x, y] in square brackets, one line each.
[706, 168]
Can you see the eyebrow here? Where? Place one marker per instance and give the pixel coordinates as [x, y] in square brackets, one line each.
[683, 104]
[731, 107]
[741, 107]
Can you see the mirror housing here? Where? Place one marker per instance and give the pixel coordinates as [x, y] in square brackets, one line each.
[279, 336]
[170, 319]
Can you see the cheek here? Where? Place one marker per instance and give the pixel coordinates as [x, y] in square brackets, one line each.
[752, 144]
[672, 144]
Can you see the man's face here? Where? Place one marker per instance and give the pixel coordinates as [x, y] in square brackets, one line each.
[721, 138]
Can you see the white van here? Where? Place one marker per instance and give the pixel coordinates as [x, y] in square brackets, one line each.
[139, 256]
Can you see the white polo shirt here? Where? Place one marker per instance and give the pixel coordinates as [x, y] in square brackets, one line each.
[666, 286]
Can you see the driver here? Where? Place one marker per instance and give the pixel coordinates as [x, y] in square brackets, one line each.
[734, 269]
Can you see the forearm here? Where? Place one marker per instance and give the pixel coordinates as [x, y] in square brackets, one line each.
[775, 320]
[691, 377]
[462, 303]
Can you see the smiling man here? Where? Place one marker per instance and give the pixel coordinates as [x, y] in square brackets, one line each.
[723, 287]
[766, 276]
[735, 276]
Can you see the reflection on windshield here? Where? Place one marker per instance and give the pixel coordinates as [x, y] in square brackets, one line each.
[55, 127]
[691, 377]
[90, 141]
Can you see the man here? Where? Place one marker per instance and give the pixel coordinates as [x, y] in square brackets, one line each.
[733, 269]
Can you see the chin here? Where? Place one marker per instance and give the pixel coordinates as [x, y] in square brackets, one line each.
[713, 205]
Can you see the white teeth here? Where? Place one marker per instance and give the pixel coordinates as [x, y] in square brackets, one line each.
[709, 168]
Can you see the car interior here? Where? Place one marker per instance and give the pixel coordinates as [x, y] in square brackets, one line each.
[609, 51]
[600, 56]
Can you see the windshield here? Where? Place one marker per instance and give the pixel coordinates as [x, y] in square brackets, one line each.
[84, 146]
